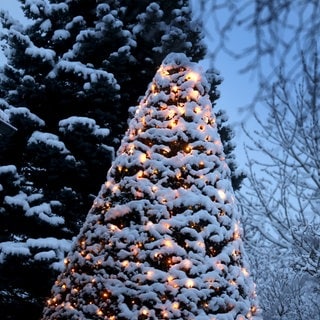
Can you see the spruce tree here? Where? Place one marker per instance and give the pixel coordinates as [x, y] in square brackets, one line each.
[162, 240]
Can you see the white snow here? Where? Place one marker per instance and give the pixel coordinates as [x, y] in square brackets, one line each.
[60, 35]
[22, 111]
[44, 212]
[48, 138]
[42, 53]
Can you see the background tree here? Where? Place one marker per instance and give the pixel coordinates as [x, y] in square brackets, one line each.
[162, 240]
[65, 87]
[282, 196]
[275, 34]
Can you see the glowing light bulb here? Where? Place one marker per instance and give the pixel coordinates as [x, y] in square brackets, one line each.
[236, 234]
[189, 283]
[145, 311]
[175, 89]
[125, 263]
[150, 274]
[245, 272]
[194, 76]
[99, 312]
[130, 149]
[222, 194]
[175, 305]
[163, 72]
[170, 278]
[197, 109]
[143, 157]
[168, 243]
[165, 313]
[188, 148]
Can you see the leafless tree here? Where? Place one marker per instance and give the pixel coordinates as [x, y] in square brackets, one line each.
[265, 35]
[281, 200]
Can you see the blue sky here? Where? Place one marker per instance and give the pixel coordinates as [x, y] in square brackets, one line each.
[236, 90]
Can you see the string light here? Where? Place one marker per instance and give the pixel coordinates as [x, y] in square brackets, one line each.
[189, 283]
[99, 312]
[194, 76]
[245, 272]
[188, 149]
[222, 194]
[175, 305]
[168, 243]
[159, 230]
[197, 109]
[143, 158]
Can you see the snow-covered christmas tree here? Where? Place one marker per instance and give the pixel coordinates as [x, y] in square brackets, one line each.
[162, 240]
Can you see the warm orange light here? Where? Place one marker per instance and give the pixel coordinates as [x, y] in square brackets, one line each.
[165, 313]
[175, 305]
[140, 174]
[188, 148]
[170, 278]
[245, 272]
[175, 89]
[115, 188]
[143, 157]
[168, 243]
[164, 201]
[189, 283]
[194, 76]
[130, 149]
[166, 225]
[145, 311]
[222, 194]
[173, 124]
[236, 234]
[113, 227]
[163, 72]
[201, 244]
[171, 113]
[197, 109]
[99, 312]
[232, 282]
[125, 263]
[150, 274]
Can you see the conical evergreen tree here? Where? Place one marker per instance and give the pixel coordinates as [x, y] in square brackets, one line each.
[162, 240]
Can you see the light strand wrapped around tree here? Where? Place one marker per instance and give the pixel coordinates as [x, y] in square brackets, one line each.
[162, 240]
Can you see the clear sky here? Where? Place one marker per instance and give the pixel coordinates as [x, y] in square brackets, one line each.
[236, 90]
